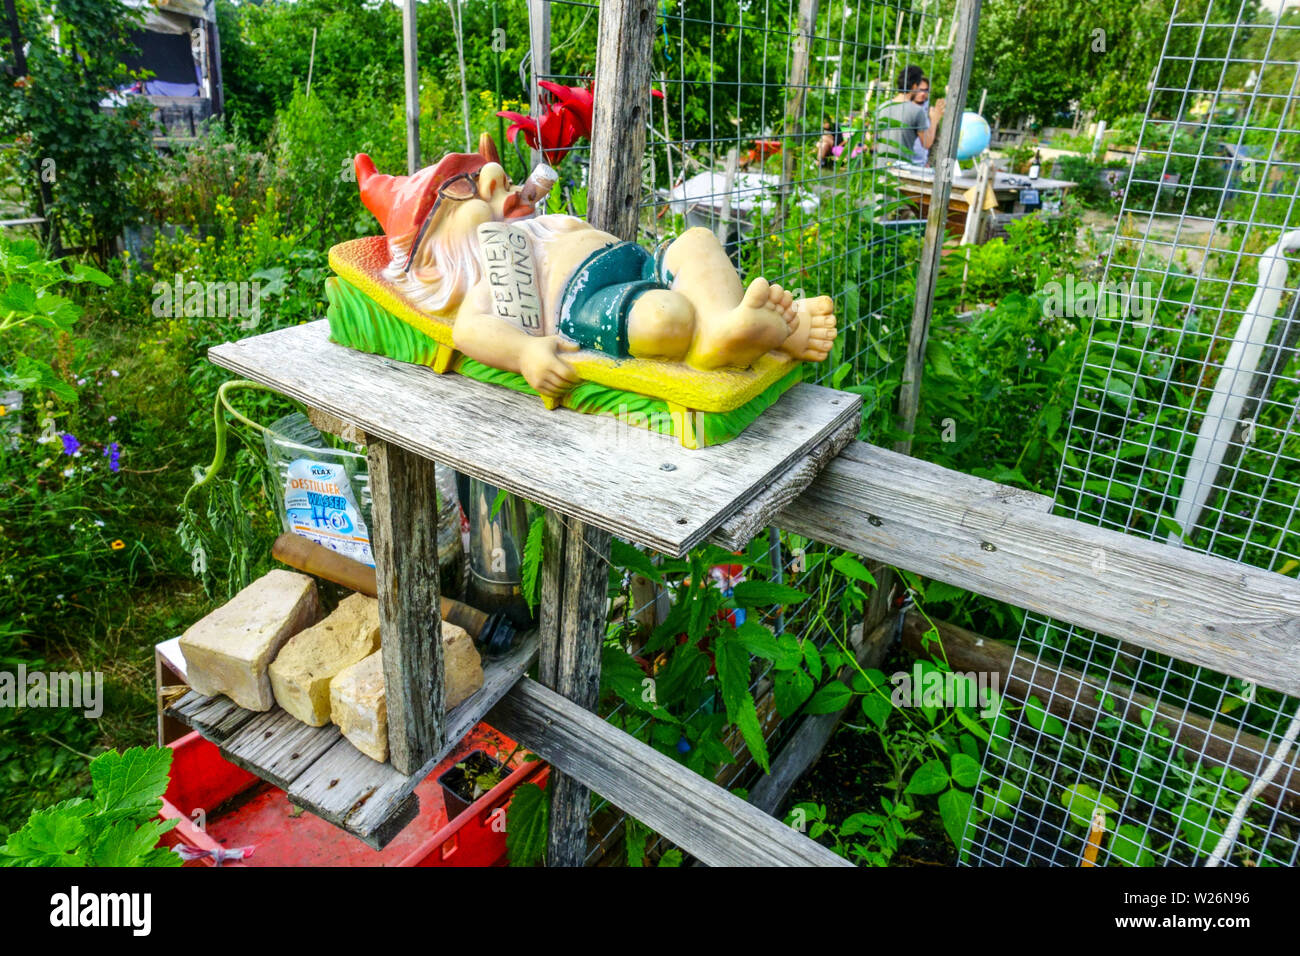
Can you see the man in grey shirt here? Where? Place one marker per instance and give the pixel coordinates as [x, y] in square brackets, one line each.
[907, 126]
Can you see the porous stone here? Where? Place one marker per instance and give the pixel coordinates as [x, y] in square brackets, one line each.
[358, 705]
[310, 660]
[462, 667]
[229, 651]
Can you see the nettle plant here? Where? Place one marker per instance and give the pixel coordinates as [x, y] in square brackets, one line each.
[933, 749]
[34, 313]
[118, 827]
[694, 675]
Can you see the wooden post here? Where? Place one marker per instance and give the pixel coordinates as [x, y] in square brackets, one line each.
[539, 39]
[575, 563]
[404, 531]
[797, 85]
[410, 58]
[909, 396]
[575, 576]
[623, 54]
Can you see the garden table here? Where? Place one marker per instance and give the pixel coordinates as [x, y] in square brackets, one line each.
[597, 475]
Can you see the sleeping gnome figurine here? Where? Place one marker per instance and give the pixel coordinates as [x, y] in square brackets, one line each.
[468, 276]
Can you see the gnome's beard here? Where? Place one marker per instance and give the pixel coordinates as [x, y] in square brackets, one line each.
[446, 267]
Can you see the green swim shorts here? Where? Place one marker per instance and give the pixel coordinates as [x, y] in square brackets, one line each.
[598, 298]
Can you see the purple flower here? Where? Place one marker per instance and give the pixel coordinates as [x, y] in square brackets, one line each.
[70, 444]
[111, 419]
[113, 451]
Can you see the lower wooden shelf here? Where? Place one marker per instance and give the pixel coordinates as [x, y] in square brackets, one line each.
[321, 771]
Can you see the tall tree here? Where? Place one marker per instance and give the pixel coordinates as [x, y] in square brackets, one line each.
[75, 158]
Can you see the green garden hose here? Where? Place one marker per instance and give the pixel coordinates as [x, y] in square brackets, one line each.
[222, 428]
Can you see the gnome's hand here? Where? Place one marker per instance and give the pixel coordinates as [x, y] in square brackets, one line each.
[546, 371]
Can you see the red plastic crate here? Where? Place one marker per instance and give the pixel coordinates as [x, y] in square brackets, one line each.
[241, 810]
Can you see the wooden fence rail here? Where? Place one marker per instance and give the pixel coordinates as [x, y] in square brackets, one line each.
[1000, 542]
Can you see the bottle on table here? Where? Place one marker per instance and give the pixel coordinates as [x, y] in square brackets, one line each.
[1037, 165]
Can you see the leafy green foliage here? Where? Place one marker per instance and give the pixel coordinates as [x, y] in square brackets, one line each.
[116, 828]
[75, 159]
[1101, 54]
[527, 823]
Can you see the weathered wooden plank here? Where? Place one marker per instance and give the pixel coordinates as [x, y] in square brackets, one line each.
[216, 718]
[639, 485]
[624, 43]
[278, 747]
[697, 815]
[997, 541]
[738, 529]
[347, 788]
[404, 535]
[967, 15]
[575, 582]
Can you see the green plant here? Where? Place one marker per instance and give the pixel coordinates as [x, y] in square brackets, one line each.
[871, 839]
[115, 828]
[527, 825]
[1021, 155]
[33, 316]
[75, 158]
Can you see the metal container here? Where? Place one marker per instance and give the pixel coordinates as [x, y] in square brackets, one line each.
[496, 546]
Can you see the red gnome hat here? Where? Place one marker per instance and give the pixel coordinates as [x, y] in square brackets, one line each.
[400, 203]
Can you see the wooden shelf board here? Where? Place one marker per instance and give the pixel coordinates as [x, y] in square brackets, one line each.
[639, 485]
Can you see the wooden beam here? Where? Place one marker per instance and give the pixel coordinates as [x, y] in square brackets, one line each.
[703, 819]
[634, 483]
[624, 47]
[1073, 696]
[575, 582]
[945, 165]
[997, 541]
[404, 533]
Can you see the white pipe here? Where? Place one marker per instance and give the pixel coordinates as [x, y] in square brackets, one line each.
[1234, 385]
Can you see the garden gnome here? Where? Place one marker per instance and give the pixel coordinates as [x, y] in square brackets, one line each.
[525, 289]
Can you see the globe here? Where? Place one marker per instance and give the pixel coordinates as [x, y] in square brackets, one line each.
[974, 136]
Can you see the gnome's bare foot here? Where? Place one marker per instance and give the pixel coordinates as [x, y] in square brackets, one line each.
[814, 333]
[763, 320]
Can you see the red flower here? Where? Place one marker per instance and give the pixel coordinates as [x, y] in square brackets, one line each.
[565, 120]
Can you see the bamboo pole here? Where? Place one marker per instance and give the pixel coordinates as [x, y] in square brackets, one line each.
[410, 60]
[968, 14]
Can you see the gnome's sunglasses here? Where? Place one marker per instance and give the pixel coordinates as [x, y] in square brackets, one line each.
[458, 188]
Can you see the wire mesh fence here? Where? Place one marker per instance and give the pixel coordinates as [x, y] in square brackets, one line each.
[763, 135]
[1184, 430]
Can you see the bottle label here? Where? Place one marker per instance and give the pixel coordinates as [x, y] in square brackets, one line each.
[320, 506]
